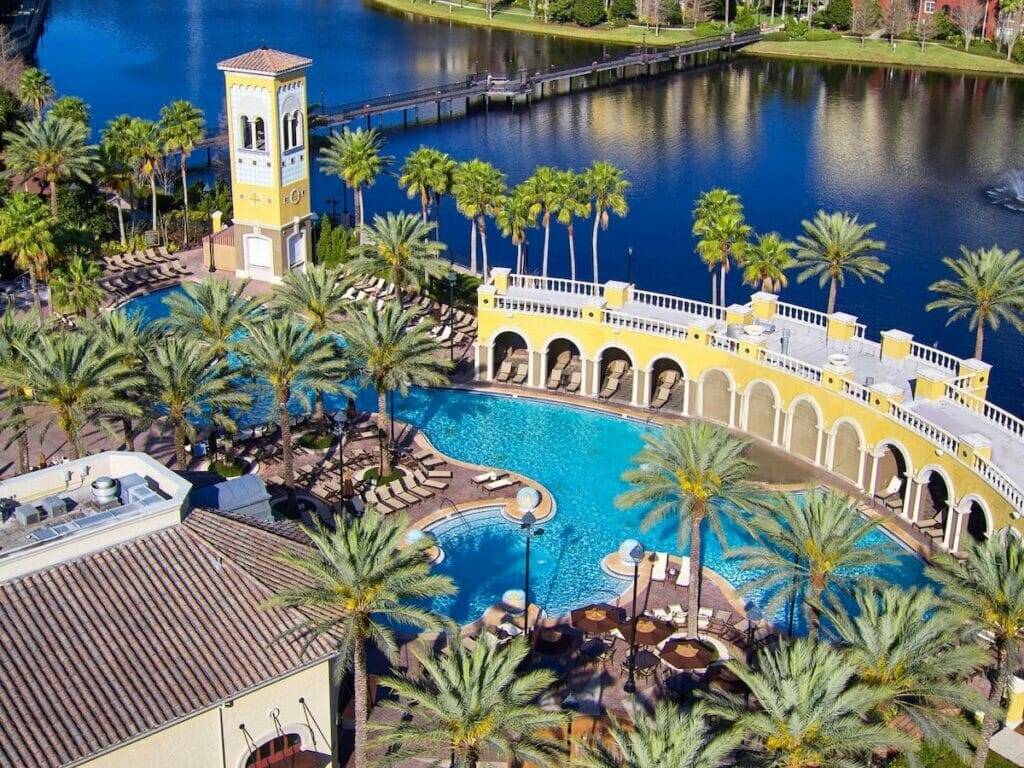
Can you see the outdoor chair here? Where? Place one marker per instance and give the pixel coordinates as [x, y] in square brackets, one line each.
[521, 373]
[417, 490]
[574, 382]
[398, 491]
[504, 371]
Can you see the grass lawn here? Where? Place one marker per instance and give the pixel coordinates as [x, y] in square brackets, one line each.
[518, 20]
[879, 52]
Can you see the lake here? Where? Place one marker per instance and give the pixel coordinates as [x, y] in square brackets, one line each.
[912, 151]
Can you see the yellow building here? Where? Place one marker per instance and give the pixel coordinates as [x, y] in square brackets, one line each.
[904, 422]
[268, 150]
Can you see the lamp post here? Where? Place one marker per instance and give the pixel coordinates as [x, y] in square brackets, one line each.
[629, 265]
[333, 202]
[339, 429]
[754, 617]
[632, 551]
[528, 499]
[452, 279]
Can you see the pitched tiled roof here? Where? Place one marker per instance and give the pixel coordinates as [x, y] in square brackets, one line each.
[107, 647]
[265, 61]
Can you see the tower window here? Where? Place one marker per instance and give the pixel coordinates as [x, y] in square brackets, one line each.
[260, 132]
[286, 134]
[246, 133]
[296, 128]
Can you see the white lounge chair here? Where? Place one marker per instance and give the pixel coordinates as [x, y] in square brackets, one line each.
[661, 397]
[521, 373]
[683, 579]
[498, 485]
[892, 489]
[504, 371]
[558, 370]
[574, 382]
[660, 568]
[486, 477]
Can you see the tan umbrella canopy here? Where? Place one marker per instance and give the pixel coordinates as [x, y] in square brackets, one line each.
[648, 631]
[688, 654]
[597, 618]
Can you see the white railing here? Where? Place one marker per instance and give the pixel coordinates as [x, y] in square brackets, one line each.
[678, 304]
[535, 307]
[555, 284]
[802, 315]
[991, 412]
[721, 341]
[934, 357]
[645, 325]
[856, 391]
[925, 428]
[791, 365]
[1003, 484]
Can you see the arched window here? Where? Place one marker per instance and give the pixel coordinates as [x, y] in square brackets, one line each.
[260, 131]
[286, 134]
[275, 752]
[296, 128]
[246, 133]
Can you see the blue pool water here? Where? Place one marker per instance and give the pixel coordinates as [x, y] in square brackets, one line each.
[152, 305]
[579, 456]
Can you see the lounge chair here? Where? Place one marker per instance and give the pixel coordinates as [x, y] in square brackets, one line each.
[179, 268]
[497, 485]
[892, 490]
[428, 482]
[504, 371]
[439, 474]
[521, 373]
[558, 370]
[417, 490]
[661, 397]
[398, 491]
[683, 579]
[385, 495]
[660, 568]
[487, 477]
[611, 386]
[574, 382]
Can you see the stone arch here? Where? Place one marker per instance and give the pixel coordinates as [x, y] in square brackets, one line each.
[979, 524]
[666, 386]
[245, 131]
[511, 355]
[804, 428]
[847, 449]
[615, 372]
[259, 132]
[507, 342]
[761, 409]
[279, 746]
[715, 395]
[936, 496]
[564, 364]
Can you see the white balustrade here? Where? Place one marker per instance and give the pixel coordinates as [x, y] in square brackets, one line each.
[678, 304]
[802, 315]
[936, 358]
[555, 285]
[535, 307]
[998, 480]
[925, 428]
[791, 365]
[991, 412]
[645, 325]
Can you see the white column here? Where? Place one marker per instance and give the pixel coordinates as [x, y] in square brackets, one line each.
[874, 473]
[595, 378]
[949, 534]
[700, 398]
[817, 446]
[476, 359]
[958, 531]
[776, 423]
[490, 362]
[862, 455]
[686, 396]
[635, 397]
[645, 388]
[542, 374]
[914, 511]
[732, 407]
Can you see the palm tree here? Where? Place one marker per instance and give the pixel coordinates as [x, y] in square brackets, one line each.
[695, 471]
[140, 142]
[542, 191]
[834, 246]
[187, 384]
[355, 157]
[70, 108]
[53, 149]
[115, 172]
[472, 703]
[514, 215]
[671, 736]
[182, 126]
[608, 190]
[392, 354]
[989, 587]
[359, 582]
[426, 174]
[988, 288]
[17, 330]
[766, 261]
[719, 223]
[398, 249]
[573, 200]
[294, 360]
[71, 378]
[478, 187]
[809, 712]
[74, 289]
[210, 312]
[910, 643]
[35, 89]
[810, 547]
[26, 233]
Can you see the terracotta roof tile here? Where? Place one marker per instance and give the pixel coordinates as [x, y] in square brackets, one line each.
[265, 61]
[101, 649]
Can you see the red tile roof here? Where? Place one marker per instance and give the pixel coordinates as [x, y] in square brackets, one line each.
[101, 649]
[265, 61]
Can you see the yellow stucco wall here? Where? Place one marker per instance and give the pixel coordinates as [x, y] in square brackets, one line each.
[592, 338]
[214, 738]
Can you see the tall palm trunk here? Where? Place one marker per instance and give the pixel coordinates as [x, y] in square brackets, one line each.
[33, 285]
[437, 216]
[721, 295]
[424, 205]
[593, 241]
[179, 445]
[152, 192]
[184, 190]
[383, 422]
[547, 238]
[22, 450]
[357, 204]
[53, 198]
[472, 246]
[832, 289]
[989, 722]
[71, 435]
[572, 254]
[482, 222]
[129, 433]
[362, 704]
[286, 438]
[979, 338]
[519, 256]
[120, 225]
[813, 600]
[693, 598]
[714, 290]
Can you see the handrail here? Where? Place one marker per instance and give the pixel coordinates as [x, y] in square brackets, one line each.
[934, 357]
[925, 428]
[645, 324]
[791, 365]
[998, 479]
[802, 315]
[988, 411]
[555, 285]
[535, 307]
[678, 304]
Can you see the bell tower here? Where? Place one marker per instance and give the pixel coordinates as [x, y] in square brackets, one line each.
[268, 141]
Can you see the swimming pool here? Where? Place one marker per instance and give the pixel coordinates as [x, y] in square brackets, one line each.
[579, 455]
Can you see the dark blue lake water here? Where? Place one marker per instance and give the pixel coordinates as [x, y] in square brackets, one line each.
[913, 152]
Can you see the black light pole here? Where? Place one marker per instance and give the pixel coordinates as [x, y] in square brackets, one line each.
[629, 265]
[452, 278]
[753, 619]
[526, 257]
[636, 554]
[339, 430]
[333, 202]
[391, 420]
[527, 500]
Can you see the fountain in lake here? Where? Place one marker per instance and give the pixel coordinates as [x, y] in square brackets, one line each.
[1009, 192]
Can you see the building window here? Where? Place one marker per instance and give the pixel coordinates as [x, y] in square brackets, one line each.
[286, 134]
[275, 752]
[260, 132]
[929, 6]
[296, 129]
[246, 133]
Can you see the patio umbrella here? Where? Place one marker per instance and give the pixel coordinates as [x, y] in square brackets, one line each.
[724, 679]
[648, 631]
[595, 619]
[687, 654]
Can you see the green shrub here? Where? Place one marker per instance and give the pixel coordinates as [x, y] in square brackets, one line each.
[838, 12]
[778, 37]
[587, 13]
[745, 19]
[226, 469]
[622, 9]
[317, 441]
[820, 35]
[796, 28]
[1018, 52]
[709, 29]
[561, 10]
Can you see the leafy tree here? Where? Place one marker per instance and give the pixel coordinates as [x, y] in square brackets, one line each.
[54, 149]
[723, 231]
[141, 145]
[355, 157]
[294, 360]
[472, 703]
[115, 170]
[541, 189]
[695, 472]
[607, 189]
[358, 583]
[82, 207]
[914, 646]
[809, 547]
[427, 174]
[70, 108]
[478, 187]
[35, 89]
[989, 588]
[670, 736]
[17, 331]
[1014, 10]
[26, 233]
[810, 710]
[398, 248]
[74, 289]
[834, 246]
[211, 313]
[11, 111]
[182, 126]
[837, 12]
[514, 215]
[988, 288]
[573, 201]
[391, 354]
[622, 10]
[766, 261]
[188, 384]
[587, 13]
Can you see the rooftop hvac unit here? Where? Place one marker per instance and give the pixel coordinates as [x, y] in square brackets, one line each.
[128, 482]
[26, 514]
[53, 506]
[143, 494]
